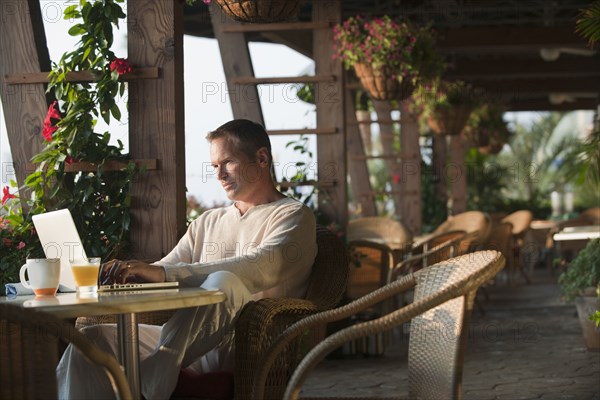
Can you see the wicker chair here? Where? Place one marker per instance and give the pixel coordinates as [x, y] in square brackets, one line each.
[444, 296]
[29, 353]
[476, 223]
[263, 320]
[500, 239]
[520, 220]
[377, 244]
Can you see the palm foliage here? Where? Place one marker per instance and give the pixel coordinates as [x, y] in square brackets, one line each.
[588, 24]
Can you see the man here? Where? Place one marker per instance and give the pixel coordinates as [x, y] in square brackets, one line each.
[263, 245]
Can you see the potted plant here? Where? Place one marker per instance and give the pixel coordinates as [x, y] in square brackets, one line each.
[486, 129]
[581, 282]
[390, 57]
[258, 11]
[445, 105]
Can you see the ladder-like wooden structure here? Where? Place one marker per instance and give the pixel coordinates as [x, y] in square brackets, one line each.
[329, 86]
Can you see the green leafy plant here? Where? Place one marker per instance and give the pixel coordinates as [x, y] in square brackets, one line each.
[401, 49]
[588, 23]
[486, 128]
[582, 272]
[443, 95]
[72, 169]
[302, 169]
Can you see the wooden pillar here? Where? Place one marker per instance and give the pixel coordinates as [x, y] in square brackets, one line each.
[235, 55]
[156, 126]
[457, 175]
[410, 156]
[22, 50]
[439, 150]
[391, 157]
[357, 165]
[329, 99]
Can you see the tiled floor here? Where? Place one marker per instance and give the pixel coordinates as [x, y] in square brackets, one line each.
[526, 345]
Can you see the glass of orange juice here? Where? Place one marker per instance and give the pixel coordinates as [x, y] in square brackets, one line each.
[85, 272]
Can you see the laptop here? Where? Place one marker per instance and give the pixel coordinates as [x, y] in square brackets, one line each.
[59, 238]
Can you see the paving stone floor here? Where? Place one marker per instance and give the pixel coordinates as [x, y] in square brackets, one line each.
[526, 344]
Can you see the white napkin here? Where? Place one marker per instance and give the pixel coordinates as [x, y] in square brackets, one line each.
[17, 289]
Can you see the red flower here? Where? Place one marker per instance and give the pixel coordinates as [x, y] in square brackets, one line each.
[70, 160]
[121, 65]
[7, 195]
[396, 178]
[50, 128]
[6, 242]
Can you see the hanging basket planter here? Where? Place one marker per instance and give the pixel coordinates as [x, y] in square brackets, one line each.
[449, 120]
[260, 11]
[382, 86]
[486, 130]
[389, 56]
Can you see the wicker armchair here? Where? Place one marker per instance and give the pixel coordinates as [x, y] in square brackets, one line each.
[263, 320]
[444, 296]
[476, 223]
[29, 354]
[377, 244]
[520, 220]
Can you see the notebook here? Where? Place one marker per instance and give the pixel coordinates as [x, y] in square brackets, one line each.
[60, 239]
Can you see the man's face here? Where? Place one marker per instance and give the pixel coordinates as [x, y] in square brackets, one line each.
[237, 173]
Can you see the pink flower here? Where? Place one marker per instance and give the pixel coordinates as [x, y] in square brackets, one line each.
[7, 195]
[206, 1]
[6, 242]
[49, 127]
[121, 65]
[20, 245]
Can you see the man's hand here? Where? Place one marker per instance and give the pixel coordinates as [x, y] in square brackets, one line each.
[117, 271]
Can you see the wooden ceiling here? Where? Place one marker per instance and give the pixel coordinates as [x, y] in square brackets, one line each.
[524, 53]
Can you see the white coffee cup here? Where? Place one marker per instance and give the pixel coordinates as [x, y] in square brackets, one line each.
[44, 275]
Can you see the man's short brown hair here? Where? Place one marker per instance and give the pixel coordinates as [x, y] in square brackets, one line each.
[244, 135]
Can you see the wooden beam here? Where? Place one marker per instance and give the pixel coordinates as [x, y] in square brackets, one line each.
[307, 131]
[235, 56]
[493, 38]
[511, 67]
[156, 126]
[410, 175]
[518, 86]
[78, 76]
[331, 149]
[545, 105]
[358, 140]
[250, 80]
[277, 27]
[21, 49]
[110, 165]
[301, 43]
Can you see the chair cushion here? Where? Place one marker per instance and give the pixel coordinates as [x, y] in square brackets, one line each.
[210, 385]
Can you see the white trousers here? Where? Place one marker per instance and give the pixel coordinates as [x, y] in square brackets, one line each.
[200, 338]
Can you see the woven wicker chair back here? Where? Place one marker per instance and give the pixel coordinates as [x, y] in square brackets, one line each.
[520, 221]
[592, 215]
[444, 295]
[475, 222]
[29, 352]
[329, 276]
[385, 230]
[436, 346]
[500, 239]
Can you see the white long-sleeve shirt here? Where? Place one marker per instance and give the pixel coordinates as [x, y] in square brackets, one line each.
[271, 248]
